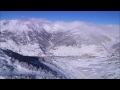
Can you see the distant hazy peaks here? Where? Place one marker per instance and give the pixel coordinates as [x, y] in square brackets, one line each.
[52, 26]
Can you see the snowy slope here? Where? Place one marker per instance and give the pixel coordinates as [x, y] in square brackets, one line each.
[70, 49]
[43, 37]
[16, 66]
[13, 65]
[24, 37]
[89, 68]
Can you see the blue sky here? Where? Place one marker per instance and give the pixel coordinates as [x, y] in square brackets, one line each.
[97, 17]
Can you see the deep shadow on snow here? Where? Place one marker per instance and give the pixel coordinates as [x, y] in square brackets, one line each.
[34, 61]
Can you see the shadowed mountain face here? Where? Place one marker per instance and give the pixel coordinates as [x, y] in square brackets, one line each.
[28, 62]
[25, 38]
[77, 38]
[116, 48]
[16, 66]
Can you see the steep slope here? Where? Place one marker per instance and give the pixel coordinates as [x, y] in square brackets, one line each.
[116, 49]
[24, 38]
[77, 42]
[14, 65]
[42, 37]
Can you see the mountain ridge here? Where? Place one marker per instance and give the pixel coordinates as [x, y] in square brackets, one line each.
[39, 34]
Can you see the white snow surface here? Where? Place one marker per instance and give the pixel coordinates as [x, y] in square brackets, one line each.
[76, 28]
[50, 26]
[95, 68]
[65, 58]
[75, 51]
[27, 50]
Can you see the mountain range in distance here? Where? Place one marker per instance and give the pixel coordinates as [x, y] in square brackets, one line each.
[90, 47]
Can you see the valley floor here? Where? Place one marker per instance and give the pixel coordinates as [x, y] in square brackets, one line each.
[89, 68]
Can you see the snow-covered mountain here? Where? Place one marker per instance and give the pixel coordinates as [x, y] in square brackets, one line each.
[16, 66]
[24, 37]
[42, 37]
[38, 48]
